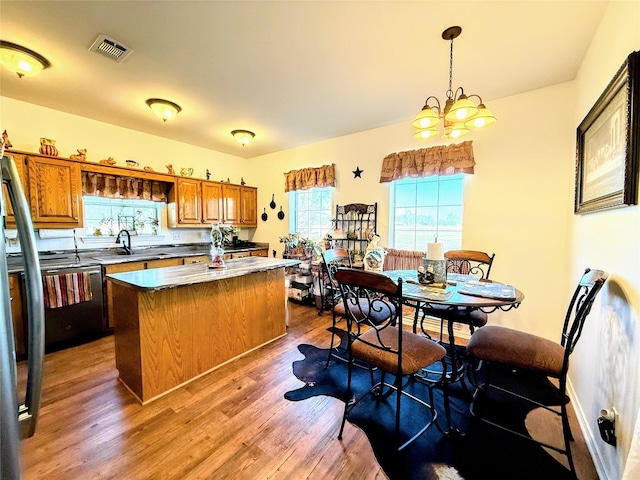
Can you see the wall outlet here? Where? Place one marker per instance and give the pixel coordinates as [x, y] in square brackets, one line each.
[177, 236]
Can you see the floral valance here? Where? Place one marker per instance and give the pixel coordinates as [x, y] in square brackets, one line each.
[111, 186]
[438, 160]
[324, 176]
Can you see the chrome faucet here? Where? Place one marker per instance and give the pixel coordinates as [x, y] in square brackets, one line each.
[127, 248]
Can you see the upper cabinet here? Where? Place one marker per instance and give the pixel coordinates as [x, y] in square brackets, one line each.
[249, 207]
[19, 161]
[201, 202]
[55, 190]
[211, 202]
[240, 205]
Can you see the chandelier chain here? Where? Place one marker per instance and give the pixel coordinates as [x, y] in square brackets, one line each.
[450, 91]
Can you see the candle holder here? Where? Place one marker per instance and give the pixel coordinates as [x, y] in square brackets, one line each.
[436, 269]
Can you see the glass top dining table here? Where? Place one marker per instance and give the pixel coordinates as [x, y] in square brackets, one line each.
[450, 296]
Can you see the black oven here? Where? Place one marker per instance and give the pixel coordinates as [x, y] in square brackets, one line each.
[75, 323]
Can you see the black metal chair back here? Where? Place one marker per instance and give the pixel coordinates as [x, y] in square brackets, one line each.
[469, 262]
[373, 309]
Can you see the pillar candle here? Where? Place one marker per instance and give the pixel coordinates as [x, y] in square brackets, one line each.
[435, 251]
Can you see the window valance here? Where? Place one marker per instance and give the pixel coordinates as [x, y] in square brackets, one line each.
[438, 160]
[112, 186]
[324, 176]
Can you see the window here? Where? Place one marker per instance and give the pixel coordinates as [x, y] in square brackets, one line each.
[422, 209]
[107, 216]
[311, 212]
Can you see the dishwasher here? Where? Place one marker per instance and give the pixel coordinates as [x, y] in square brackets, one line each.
[78, 322]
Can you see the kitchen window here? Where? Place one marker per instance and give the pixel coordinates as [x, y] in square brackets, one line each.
[310, 212]
[422, 209]
[107, 216]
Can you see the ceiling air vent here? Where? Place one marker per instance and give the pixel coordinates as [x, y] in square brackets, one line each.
[110, 48]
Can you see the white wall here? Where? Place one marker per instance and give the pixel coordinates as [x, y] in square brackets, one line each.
[26, 123]
[517, 205]
[605, 369]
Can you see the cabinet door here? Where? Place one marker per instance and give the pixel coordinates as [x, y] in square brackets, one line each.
[263, 252]
[54, 192]
[189, 201]
[249, 202]
[211, 202]
[231, 204]
[19, 160]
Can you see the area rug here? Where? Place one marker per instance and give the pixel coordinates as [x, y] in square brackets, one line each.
[482, 452]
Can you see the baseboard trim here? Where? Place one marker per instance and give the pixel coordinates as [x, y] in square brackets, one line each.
[587, 433]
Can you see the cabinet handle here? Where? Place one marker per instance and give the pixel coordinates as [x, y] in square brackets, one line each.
[75, 218]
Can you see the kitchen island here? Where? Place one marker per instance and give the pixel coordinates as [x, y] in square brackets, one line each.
[175, 324]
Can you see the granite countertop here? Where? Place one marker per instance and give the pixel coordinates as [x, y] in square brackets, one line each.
[171, 277]
[111, 256]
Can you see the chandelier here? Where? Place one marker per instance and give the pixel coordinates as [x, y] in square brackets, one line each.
[459, 113]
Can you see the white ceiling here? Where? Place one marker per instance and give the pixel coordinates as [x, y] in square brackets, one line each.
[294, 72]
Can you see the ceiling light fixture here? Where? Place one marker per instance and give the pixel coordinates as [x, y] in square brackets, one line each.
[22, 61]
[459, 113]
[163, 109]
[243, 137]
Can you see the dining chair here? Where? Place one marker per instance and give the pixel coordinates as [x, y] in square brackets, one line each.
[495, 345]
[375, 336]
[466, 262]
[335, 258]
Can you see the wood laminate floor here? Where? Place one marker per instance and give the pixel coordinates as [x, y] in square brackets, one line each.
[233, 423]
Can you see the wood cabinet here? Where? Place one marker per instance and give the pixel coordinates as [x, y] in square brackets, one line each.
[20, 162]
[248, 207]
[240, 205]
[194, 203]
[54, 192]
[211, 202]
[19, 336]
[262, 252]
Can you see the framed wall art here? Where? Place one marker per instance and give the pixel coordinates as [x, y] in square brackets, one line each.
[608, 150]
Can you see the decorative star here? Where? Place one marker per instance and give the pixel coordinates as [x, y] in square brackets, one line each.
[357, 173]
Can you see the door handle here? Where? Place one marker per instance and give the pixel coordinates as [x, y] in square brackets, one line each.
[28, 412]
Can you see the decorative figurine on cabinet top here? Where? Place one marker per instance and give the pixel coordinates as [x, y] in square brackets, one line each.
[48, 147]
[170, 170]
[5, 140]
[81, 155]
[107, 161]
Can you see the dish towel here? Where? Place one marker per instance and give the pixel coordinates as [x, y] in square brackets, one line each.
[66, 289]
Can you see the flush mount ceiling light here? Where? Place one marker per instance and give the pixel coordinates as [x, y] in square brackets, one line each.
[21, 61]
[459, 113]
[163, 109]
[243, 136]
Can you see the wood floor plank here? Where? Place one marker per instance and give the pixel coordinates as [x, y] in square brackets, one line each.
[232, 423]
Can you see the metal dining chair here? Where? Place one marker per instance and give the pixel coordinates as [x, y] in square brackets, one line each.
[466, 262]
[495, 345]
[333, 259]
[375, 335]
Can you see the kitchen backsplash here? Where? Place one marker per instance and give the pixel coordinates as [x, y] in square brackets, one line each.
[64, 239]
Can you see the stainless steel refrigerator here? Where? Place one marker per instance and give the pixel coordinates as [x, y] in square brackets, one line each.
[18, 409]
